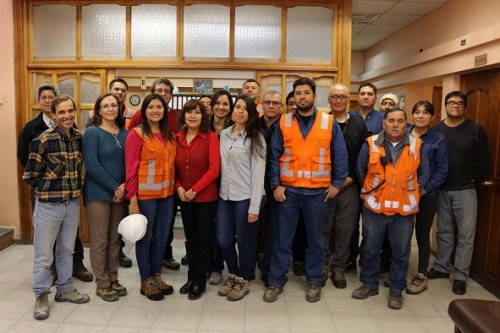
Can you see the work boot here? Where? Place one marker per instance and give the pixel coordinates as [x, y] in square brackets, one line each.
[228, 286]
[41, 311]
[150, 289]
[107, 294]
[241, 289]
[73, 296]
[121, 290]
[166, 289]
[271, 294]
[81, 272]
[417, 285]
[124, 260]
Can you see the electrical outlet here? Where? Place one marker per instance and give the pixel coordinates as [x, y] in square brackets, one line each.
[143, 83]
[463, 42]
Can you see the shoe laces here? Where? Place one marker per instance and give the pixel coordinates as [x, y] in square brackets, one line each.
[43, 300]
[417, 281]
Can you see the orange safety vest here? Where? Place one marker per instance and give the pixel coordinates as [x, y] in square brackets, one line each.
[306, 162]
[156, 169]
[392, 189]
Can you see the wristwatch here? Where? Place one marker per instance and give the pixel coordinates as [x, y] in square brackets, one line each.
[273, 187]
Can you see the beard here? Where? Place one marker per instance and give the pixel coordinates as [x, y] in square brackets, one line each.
[305, 108]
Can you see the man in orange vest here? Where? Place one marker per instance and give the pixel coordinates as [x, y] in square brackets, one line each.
[307, 166]
[392, 169]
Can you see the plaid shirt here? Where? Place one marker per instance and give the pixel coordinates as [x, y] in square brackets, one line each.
[54, 166]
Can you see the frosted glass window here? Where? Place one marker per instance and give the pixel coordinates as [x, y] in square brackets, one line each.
[103, 31]
[66, 84]
[54, 32]
[322, 97]
[84, 119]
[258, 32]
[206, 31]
[154, 31]
[309, 34]
[90, 88]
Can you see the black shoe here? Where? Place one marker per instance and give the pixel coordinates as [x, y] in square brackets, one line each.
[459, 287]
[434, 274]
[184, 260]
[196, 292]
[299, 269]
[338, 280]
[124, 260]
[351, 267]
[81, 272]
[186, 288]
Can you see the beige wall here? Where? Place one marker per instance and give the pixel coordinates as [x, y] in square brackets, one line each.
[9, 206]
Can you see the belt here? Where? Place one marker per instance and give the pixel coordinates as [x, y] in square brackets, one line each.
[57, 202]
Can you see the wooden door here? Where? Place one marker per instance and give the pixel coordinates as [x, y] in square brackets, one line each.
[483, 91]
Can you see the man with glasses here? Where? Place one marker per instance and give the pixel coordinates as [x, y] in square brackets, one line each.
[33, 128]
[343, 210]
[469, 164]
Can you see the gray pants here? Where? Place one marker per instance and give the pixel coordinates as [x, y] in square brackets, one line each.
[342, 216]
[460, 208]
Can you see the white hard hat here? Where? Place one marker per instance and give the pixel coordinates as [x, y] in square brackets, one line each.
[133, 227]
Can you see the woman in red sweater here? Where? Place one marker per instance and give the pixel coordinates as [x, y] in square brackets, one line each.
[197, 166]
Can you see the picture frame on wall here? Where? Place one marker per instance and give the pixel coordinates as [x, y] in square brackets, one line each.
[202, 86]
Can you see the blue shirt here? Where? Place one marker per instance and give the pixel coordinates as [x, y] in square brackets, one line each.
[435, 146]
[338, 154]
[373, 120]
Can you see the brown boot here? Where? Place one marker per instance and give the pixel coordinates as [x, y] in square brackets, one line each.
[228, 286]
[150, 289]
[166, 289]
[241, 289]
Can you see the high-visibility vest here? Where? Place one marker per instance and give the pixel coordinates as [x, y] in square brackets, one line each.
[306, 162]
[156, 169]
[392, 189]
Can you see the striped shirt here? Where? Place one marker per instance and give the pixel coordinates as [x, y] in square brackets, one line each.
[54, 167]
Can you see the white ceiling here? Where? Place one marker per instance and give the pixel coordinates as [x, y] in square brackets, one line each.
[394, 16]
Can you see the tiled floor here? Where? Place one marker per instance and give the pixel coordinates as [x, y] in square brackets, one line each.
[337, 311]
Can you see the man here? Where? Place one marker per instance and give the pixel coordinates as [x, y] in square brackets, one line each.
[343, 210]
[290, 103]
[164, 87]
[388, 101]
[469, 164]
[392, 168]
[308, 166]
[367, 96]
[251, 88]
[54, 170]
[46, 94]
[119, 88]
[272, 108]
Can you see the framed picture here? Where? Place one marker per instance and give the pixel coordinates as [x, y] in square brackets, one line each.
[203, 86]
[402, 102]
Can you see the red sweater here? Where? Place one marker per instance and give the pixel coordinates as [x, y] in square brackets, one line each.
[197, 165]
[172, 120]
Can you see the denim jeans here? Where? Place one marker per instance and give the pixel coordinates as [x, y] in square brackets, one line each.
[51, 222]
[399, 230]
[232, 220]
[456, 208]
[150, 249]
[313, 209]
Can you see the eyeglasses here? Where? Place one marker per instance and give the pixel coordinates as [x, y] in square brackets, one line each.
[290, 103]
[453, 103]
[269, 103]
[162, 91]
[48, 98]
[341, 97]
[123, 91]
[109, 106]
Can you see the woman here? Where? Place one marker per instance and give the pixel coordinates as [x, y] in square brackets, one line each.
[290, 103]
[197, 165]
[437, 152]
[243, 164]
[149, 158]
[222, 107]
[104, 192]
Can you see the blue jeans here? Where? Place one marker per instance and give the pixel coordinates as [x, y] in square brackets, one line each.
[232, 219]
[399, 231]
[150, 249]
[51, 222]
[456, 208]
[313, 209]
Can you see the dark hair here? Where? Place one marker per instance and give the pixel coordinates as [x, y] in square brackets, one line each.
[252, 126]
[391, 110]
[456, 93]
[305, 81]
[47, 86]
[426, 104]
[190, 105]
[97, 118]
[290, 95]
[215, 97]
[164, 81]
[251, 80]
[146, 128]
[368, 84]
[59, 99]
[118, 80]
[205, 96]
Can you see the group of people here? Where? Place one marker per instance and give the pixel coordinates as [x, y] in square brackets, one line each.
[238, 168]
